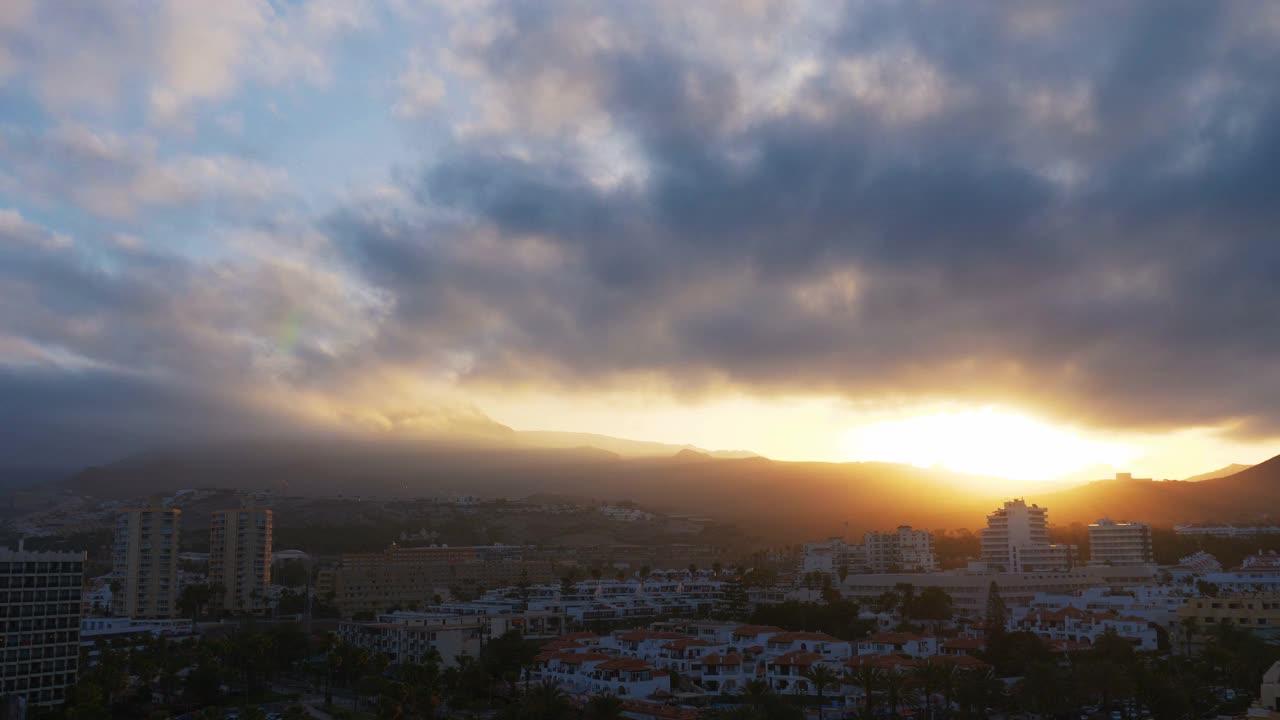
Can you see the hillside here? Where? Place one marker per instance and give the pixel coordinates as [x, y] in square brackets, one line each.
[1231, 469]
[1249, 496]
[781, 500]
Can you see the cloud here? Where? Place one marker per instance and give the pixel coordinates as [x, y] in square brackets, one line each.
[179, 53]
[886, 203]
[116, 175]
[421, 89]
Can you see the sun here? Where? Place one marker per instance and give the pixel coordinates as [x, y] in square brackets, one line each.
[983, 441]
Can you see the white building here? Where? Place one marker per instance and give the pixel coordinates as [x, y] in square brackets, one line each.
[1257, 574]
[832, 556]
[1125, 543]
[406, 637]
[1072, 625]
[902, 549]
[589, 673]
[1224, 530]
[1016, 539]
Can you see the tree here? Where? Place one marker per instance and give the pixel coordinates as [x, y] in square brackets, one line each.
[195, 598]
[291, 573]
[996, 616]
[933, 604]
[822, 678]
[545, 701]
[603, 707]
[931, 677]
[870, 678]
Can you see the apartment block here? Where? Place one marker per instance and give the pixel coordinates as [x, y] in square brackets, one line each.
[900, 550]
[145, 561]
[240, 557]
[39, 624]
[1016, 540]
[1119, 543]
[1257, 613]
[408, 577]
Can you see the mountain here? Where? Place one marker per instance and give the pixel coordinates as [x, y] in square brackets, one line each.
[621, 446]
[1251, 495]
[1231, 469]
[781, 501]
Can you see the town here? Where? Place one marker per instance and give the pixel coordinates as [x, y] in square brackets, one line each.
[839, 628]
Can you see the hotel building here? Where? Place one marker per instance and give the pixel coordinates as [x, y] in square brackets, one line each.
[240, 557]
[39, 624]
[1113, 543]
[145, 560]
[1016, 540]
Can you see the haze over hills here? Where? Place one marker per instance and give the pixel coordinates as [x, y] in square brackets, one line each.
[1231, 469]
[782, 500]
[621, 446]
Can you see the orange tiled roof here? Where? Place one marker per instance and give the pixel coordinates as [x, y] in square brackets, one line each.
[718, 659]
[638, 635]
[787, 637]
[572, 658]
[631, 664]
[884, 662]
[802, 658]
[965, 643]
[891, 638]
[563, 645]
[754, 630]
[683, 643]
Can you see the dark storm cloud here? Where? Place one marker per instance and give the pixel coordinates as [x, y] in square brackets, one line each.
[1081, 215]
[1071, 208]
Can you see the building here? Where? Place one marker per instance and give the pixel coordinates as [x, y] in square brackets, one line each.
[1016, 540]
[900, 550]
[833, 557]
[968, 589]
[1257, 574]
[409, 577]
[1225, 531]
[240, 558]
[40, 640]
[1073, 625]
[1268, 703]
[407, 637]
[1258, 613]
[145, 560]
[1124, 543]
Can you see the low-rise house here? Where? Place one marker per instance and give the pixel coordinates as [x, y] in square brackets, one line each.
[596, 674]
[825, 646]
[896, 643]
[725, 673]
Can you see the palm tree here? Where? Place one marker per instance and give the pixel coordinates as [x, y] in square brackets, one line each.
[870, 678]
[822, 678]
[976, 690]
[603, 707]
[931, 677]
[546, 701]
[757, 692]
[897, 690]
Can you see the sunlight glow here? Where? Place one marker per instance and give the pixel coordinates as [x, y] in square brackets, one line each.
[987, 441]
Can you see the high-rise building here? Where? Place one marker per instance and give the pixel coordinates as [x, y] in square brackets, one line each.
[240, 557]
[145, 561]
[902, 549]
[1016, 539]
[39, 624]
[1113, 543]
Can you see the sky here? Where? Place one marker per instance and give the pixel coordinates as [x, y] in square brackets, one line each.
[1028, 239]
